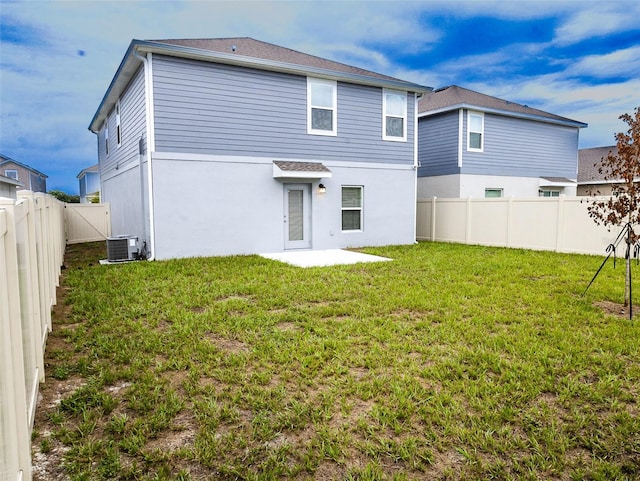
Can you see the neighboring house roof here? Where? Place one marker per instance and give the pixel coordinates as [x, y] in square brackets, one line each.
[589, 161]
[248, 52]
[5, 160]
[93, 168]
[453, 98]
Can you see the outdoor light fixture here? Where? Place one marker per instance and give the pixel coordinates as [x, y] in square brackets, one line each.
[322, 189]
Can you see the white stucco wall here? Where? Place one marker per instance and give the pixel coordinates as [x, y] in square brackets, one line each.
[462, 186]
[216, 205]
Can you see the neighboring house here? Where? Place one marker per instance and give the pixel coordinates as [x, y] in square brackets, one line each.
[89, 183]
[237, 146]
[475, 145]
[30, 178]
[589, 179]
[9, 187]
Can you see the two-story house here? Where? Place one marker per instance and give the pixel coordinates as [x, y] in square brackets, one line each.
[89, 184]
[28, 177]
[475, 145]
[237, 146]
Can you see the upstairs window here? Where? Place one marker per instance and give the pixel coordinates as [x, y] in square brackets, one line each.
[322, 99]
[394, 111]
[492, 193]
[475, 131]
[118, 127]
[11, 173]
[106, 137]
[352, 208]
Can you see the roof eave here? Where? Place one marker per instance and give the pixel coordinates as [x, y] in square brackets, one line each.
[130, 64]
[24, 166]
[263, 64]
[506, 113]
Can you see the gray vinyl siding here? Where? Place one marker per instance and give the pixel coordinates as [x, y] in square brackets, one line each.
[438, 145]
[524, 148]
[132, 125]
[206, 108]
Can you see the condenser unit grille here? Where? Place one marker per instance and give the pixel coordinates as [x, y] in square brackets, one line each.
[122, 248]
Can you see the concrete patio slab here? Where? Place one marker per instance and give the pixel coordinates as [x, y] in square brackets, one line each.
[321, 258]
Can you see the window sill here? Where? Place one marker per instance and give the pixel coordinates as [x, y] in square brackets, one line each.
[325, 133]
[394, 139]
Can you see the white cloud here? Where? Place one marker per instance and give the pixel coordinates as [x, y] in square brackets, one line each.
[598, 19]
[625, 62]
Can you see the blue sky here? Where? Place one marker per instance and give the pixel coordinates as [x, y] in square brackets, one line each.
[578, 59]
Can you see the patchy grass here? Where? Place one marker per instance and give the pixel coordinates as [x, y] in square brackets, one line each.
[452, 362]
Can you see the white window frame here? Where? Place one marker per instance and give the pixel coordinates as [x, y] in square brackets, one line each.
[7, 171]
[548, 193]
[470, 114]
[493, 189]
[352, 209]
[106, 137]
[402, 95]
[334, 108]
[118, 125]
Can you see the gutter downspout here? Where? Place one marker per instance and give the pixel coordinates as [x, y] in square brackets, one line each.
[148, 86]
[416, 164]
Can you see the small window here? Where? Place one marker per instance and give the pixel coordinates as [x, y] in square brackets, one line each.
[106, 138]
[492, 193]
[352, 208]
[118, 127]
[322, 99]
[548, 193]
[394, 111]
[475, 135]
[11, 173]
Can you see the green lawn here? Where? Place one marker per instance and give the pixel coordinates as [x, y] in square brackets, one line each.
[452, 362]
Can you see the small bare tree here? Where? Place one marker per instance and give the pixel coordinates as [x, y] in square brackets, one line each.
[622, 209]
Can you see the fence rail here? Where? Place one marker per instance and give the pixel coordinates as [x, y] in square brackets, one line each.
[32, 243]
[560, 224]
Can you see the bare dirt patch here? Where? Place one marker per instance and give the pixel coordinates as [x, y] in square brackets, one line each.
[289, 326]
[228, 345]
[616, 309]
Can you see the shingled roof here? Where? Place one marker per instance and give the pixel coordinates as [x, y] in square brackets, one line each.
[589, 161]
[249, 47]
[244, 52]
[454, 97]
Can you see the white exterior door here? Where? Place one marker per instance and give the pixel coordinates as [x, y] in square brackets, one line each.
[297, 216]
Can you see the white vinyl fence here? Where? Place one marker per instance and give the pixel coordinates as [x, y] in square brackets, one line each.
[87, 222]
[32, 243]
[560, 224]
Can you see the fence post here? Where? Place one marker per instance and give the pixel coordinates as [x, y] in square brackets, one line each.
[509, 219]
[560, 223]
[433, 219]
[467, 227]
[18, 424]
[37, 323]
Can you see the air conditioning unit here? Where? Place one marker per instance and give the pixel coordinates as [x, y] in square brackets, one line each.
[122, 248]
